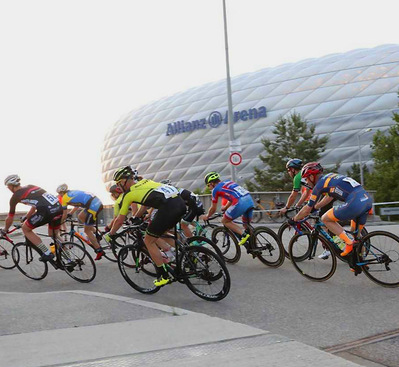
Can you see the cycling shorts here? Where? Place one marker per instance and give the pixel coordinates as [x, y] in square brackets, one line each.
[43, 216]
[92, 211]
[167, 216]
[357, 205]
[194, 211]
[244, 208]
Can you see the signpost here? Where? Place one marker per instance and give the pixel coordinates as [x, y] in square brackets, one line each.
[235, 159]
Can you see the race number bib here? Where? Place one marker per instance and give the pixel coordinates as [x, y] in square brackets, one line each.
[353, 182]
[241, 190]
[168, 191]
[50, 198]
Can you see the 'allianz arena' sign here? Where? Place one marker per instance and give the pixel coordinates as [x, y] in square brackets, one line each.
[215, 119]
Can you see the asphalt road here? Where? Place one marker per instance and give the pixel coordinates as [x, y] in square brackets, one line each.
[343, 309]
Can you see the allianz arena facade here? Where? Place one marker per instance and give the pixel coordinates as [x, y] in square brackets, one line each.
[184, 136]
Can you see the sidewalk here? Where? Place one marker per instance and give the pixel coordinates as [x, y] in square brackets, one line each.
[78, 328]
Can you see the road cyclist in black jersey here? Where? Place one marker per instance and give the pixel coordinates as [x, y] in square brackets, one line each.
[45, 209]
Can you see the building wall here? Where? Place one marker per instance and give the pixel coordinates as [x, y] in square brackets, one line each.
[183, 136]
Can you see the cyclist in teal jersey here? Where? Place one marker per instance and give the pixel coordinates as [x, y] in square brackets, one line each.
[294, 167]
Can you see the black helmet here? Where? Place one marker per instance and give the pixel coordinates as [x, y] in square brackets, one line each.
[294, 163]
[125, 172]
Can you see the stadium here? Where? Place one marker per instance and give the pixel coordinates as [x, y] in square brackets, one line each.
[347, 96]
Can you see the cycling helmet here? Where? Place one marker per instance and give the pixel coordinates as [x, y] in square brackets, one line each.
[166, 182]
[211, 176]
[62, 188]
[115, 189]
[125, 172]
[311, 168]
[13, 180]
[295, 163]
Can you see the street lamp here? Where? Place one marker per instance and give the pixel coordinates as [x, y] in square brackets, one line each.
[229, 98]
[360, 153]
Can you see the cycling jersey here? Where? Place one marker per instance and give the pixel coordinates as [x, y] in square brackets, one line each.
[148, 193]
[229, 190]
[48, 208]
[194, 205]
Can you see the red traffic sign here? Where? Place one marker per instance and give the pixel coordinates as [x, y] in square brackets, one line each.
[235, 159]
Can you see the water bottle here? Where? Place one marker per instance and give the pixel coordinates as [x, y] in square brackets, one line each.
[52, 248]
[339, 242]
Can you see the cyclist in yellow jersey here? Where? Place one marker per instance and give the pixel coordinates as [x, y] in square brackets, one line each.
[149, 194]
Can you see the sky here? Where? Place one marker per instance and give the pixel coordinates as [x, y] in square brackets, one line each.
[70, 69]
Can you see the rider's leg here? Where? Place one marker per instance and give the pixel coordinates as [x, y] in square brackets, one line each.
[186, 229]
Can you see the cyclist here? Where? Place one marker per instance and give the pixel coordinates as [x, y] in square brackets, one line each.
[294, 167]
[194, 205]
[240, 203]
[165, 198]
[92, 206]
[357, 202]
[116, 195]
[46, 209]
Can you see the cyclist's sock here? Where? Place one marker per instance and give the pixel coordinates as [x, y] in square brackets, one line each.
[43, 248]
[162, 271]
[348, 241]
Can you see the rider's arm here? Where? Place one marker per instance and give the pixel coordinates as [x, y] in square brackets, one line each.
[211, 210]
[291, 199]
[304, 212]
[303, 197]
[224, 208]
[30, 212]
[8, 222]
[117, 224]
[141, 211]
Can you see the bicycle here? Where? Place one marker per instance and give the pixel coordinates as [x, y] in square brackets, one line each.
[110, 250]
[69, 256]
[6, 246]
[270, 210]
[263, 244]
[376, 254]
[202, 270]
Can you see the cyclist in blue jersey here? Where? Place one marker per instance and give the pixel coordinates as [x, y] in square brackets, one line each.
[357, 202]
[239, 203]
[92, 207]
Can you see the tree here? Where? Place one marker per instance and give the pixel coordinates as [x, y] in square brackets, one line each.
[354, 172]
[295, 138]
[385, 151]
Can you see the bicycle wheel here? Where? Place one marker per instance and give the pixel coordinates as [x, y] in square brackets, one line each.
[256, 217]
[138, 269]
[117, 244]
[204, 242]
[6, 261]
[304, 251]
[227, 243]
[267, 247]
[68, 237]
[379, 256]
[205, 273]
[76, 262]
[26, 258]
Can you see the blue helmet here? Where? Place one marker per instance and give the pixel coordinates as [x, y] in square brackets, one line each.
[295, 163]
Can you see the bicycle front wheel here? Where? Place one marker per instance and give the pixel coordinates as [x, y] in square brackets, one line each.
[205, 273]
[204, 242]
[379, 258]
[6, 261]
[138, 269]
[26, 258]
[77, 262]
[308, 254]
[227, 243]
[267, 247]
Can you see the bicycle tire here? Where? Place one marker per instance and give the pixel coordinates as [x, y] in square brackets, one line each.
[205, 273]
[138, 269]
[256, 217]
[304, 250]
[380, 249]
[6, 260]
[285, 233]
[271, 250]
[26, 258]
[76, 262]
[227, 243]
[67, 237]
[204, 242]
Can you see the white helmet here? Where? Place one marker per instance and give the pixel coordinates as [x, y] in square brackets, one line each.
[13, 180]
[62, 188]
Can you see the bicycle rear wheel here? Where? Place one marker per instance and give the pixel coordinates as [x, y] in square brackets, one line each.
[76, 262]
[379, 257]
[285, 234]
[256, 216]
[304, 251]
[205, 273]
[227, 243]
[26, 258]
[267, 247]
[6, 261]
[204, 242]
[138, 269]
